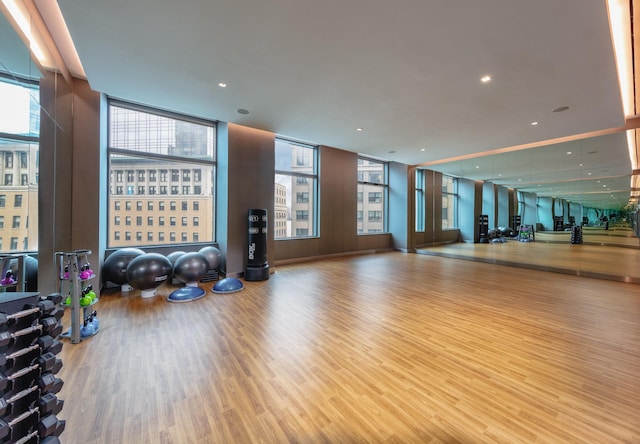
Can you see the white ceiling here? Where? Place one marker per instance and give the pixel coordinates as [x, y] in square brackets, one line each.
[407, 72]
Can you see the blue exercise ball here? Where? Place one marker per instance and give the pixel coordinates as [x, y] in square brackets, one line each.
[148, 271]
[190, 267]
[213, 256]
[114, 268]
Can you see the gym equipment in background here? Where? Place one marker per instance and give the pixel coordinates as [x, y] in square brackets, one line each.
[173, 257]
[576, 234]
[228, 285]
[147, 272]
[80, 293]
[115, 265]
[257, 268]
[526, 233]
[190, 268]
[483, 228]
[186, 294]
[28, 368]
[516, 221]
[214, 257]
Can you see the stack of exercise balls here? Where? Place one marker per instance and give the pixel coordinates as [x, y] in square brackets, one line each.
[132, 268]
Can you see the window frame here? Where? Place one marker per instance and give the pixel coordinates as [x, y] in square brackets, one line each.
[364, 198]
[174, 166]
[306, 159]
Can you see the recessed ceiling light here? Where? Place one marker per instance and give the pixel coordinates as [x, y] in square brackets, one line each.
[243, 111]
[358, 129]
[422, 149]
[534, 123]
[222, 84]
[477, 166]
[560, 109]
[589, 173]
[569, 152]
[485, 79]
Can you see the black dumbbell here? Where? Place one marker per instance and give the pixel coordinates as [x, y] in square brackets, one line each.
[50, 440]
[46, 306]
[5, 338]
[56, 298]
[49, 383]
[48, 426]
[48, 344]
[56, 366]
[57, 313]
[49, 404]
[47, 361]
[51, 326]
[3, 406]
[4, 430]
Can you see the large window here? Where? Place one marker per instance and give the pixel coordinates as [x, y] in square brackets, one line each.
[449, 202]
[146, 145]
[295, 211]
[373, 185]
[19, 150]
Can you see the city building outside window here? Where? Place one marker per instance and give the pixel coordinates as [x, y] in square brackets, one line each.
[295, 212]
[19, 151]
[160, 153]
[372, 197]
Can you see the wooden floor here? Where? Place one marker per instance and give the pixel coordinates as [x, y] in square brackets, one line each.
[389, 347]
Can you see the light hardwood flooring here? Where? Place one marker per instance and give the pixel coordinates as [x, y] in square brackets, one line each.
[388, 347]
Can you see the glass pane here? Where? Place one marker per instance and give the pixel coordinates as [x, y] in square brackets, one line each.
[291, 157]
[19, 109]
[372, 171]
[150, 133]
[147, 197]
[372, 207]
[294, 206]
[19, 195]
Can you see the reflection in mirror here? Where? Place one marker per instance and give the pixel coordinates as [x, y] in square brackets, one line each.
[590, 176]
[19, 144]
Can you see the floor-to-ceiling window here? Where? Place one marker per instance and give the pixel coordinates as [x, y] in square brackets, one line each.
[373, 195]
[19, 145]
[296, 190]
[161, 169]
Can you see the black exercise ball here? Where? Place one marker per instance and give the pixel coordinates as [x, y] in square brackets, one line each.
[148, 271]
[114, 268]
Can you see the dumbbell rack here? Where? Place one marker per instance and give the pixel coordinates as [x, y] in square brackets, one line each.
[70, 283]
[29, 325]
